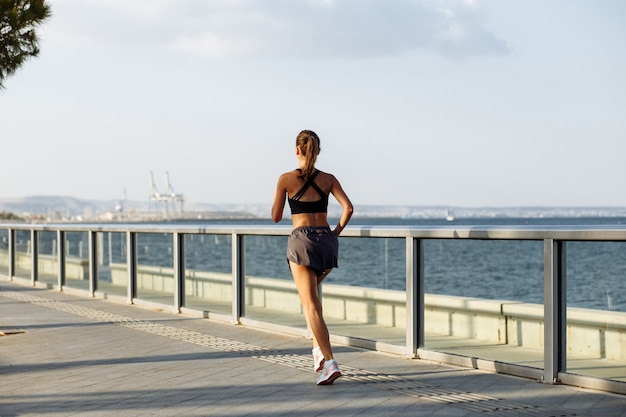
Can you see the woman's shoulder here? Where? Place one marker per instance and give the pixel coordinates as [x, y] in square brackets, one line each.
[289, 177]
[292, 173]
[326, 175]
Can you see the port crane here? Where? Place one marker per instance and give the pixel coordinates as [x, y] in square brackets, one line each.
[169, 198]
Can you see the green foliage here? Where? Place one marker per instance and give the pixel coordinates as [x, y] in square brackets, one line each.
[9, 216]
[18, 39]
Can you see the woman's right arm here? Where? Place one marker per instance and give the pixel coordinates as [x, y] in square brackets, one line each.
[279, 200]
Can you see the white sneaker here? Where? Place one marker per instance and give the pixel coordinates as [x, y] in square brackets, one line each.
[318, 359]
[330, 372]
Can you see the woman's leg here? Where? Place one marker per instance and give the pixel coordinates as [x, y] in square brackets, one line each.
[320, 278]
[306, 283]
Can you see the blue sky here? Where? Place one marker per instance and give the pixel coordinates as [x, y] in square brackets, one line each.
[459, 103]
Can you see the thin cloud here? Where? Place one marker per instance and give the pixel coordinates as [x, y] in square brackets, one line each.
[285, 28]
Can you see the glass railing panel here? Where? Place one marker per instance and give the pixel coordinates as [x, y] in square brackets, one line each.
[596, 309]
[111, 262]
[155, 267]
[48, 258]
[208, 273]
[77, 260]
[371, 262]
[270, 293]
[364, 297]
[23, 258]
[4, 252]
[484, 299]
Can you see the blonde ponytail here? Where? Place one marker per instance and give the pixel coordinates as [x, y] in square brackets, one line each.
[309, 144]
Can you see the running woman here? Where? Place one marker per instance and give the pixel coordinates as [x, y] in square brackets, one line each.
[313, 247]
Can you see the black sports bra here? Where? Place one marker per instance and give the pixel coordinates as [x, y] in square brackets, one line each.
[319, 206]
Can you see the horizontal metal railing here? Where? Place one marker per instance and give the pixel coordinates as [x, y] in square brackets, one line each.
[554, 240]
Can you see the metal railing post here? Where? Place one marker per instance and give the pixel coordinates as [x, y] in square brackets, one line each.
[61, 258]
[555, 306]
[34, 248]
[131, 259]
[179, 270]
[11, 253]
[92, 246]
[414, 295]
[238, 266]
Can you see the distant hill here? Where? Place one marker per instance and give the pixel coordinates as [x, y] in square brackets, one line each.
[61, 208]
[55, 206]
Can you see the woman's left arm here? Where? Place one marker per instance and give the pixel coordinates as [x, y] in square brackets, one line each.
[346, 204]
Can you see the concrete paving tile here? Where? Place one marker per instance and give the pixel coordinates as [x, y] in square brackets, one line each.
[68, 363]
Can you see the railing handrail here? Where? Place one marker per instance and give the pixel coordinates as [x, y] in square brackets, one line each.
[522, 232]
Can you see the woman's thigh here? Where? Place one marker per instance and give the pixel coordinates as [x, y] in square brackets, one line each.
[306, 283]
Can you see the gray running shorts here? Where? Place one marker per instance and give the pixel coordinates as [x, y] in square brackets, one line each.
[314, 246]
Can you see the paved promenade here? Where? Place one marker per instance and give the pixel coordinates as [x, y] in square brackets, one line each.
[64, 355]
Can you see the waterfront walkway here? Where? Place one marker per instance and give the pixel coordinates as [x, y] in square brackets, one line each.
[65, 355]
